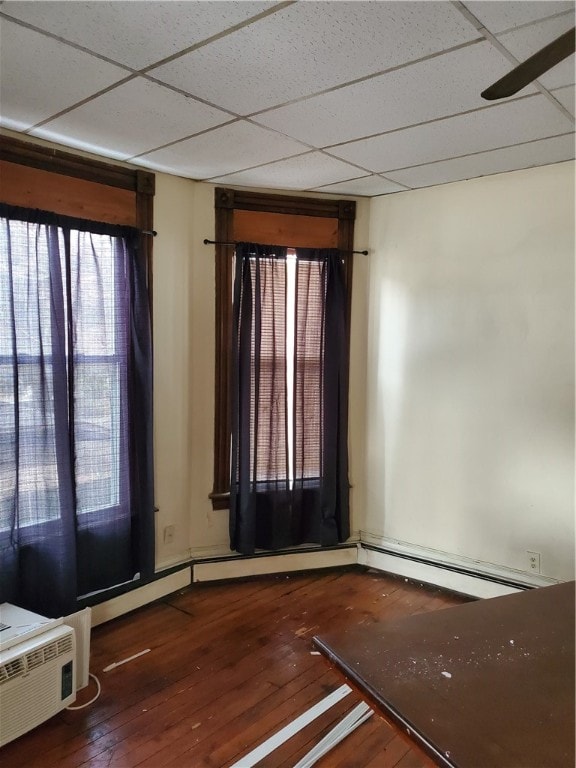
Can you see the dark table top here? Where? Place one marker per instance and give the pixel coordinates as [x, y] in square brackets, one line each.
[488, 684]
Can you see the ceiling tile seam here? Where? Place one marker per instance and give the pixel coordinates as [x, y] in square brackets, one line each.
[357, 178]
[119, 83]
[483, 176]
[184, 138]
[424, 122]
[365, 78]
[485, 32]
[219, 35]
[255, 167]
[400, 183]
[278, 132]
[159, 62]
[81, 103]
[275, 162]
[188, 95]
[368, 171]
[69, 43]
[510, 56]
[461, 6]
[472, 154]
[553, 100]
[331, 183]
[236, 119]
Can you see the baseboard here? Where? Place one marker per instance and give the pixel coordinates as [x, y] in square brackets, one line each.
[136, 598]
[283, 562]
[451, 572]
[443, 570]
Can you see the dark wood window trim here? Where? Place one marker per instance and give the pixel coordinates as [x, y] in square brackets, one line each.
[141, 183]
[226, 202]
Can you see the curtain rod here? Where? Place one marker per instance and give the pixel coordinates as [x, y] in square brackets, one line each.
[221, 242]
[151, 232]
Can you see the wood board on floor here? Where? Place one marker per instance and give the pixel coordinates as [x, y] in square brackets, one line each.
[489, 684]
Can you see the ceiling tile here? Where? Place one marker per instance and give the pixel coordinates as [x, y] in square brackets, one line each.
[312, 170]
[135, 33]
[566, 96]
[223, 150]
[535, 153]
[131, 119]
[368, 186]
[528, 40]
[434, 88]
[311, 46]
[498, 16]
[40, 77]
[490, 128]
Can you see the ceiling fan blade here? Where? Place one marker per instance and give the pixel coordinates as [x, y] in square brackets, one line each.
[532, 68]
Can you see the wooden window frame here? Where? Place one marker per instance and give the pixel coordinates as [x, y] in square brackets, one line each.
[227, 201]
[141, 183]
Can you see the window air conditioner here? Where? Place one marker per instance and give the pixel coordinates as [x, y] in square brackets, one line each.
[37, 670]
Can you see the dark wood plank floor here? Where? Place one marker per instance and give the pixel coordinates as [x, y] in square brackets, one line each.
[229, 665]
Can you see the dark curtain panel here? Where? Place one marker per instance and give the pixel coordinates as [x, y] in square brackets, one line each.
[289, 478]
[76, 495]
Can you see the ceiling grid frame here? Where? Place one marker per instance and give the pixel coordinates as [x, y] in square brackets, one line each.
[289, 161]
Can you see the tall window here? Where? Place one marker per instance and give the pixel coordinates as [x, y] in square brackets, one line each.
[76, 492]
[283, 290]
[288, 394]
[274, 219]
[289, 479]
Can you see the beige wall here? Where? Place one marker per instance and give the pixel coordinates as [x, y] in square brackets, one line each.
[462, 370]
[184, 371]
[470, 370]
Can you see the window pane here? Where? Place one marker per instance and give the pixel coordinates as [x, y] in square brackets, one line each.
[96, 427]
[99, 345]
[32, 294]
[308, 374]
[28, 468]
[270, 442]
[29, 461]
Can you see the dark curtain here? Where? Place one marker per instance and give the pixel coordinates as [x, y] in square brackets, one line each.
[289, 467]
[76, 494]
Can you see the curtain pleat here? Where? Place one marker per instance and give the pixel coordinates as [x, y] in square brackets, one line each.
[289, 399]
[76, 494]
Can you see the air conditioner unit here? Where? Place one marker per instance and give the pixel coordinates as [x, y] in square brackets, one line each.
[37, 670]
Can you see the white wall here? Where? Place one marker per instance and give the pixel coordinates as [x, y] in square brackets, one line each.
[470, 370]
[184, 370]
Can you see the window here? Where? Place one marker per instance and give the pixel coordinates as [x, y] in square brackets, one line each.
[76, 472]
[276, 220]
[291, 324]
[89, 268]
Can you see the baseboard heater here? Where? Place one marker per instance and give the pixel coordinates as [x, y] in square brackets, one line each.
[240, 566]
[450, 567]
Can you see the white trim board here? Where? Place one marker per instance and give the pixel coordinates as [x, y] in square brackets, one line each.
[444, 569]
[433, 575]
[294, 727]
[136, 598]
[241, 567]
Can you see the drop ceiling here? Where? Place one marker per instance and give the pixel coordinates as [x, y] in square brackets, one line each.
[351, 98]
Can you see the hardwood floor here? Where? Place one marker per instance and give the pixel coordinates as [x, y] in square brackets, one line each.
[229, 665]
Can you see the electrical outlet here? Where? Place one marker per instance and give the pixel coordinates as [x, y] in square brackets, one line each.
[169, 534]
[533, 561]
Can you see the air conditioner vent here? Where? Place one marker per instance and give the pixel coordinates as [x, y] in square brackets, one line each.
[35, 658]
[65, 645]
[11, 669]
[50, 651]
